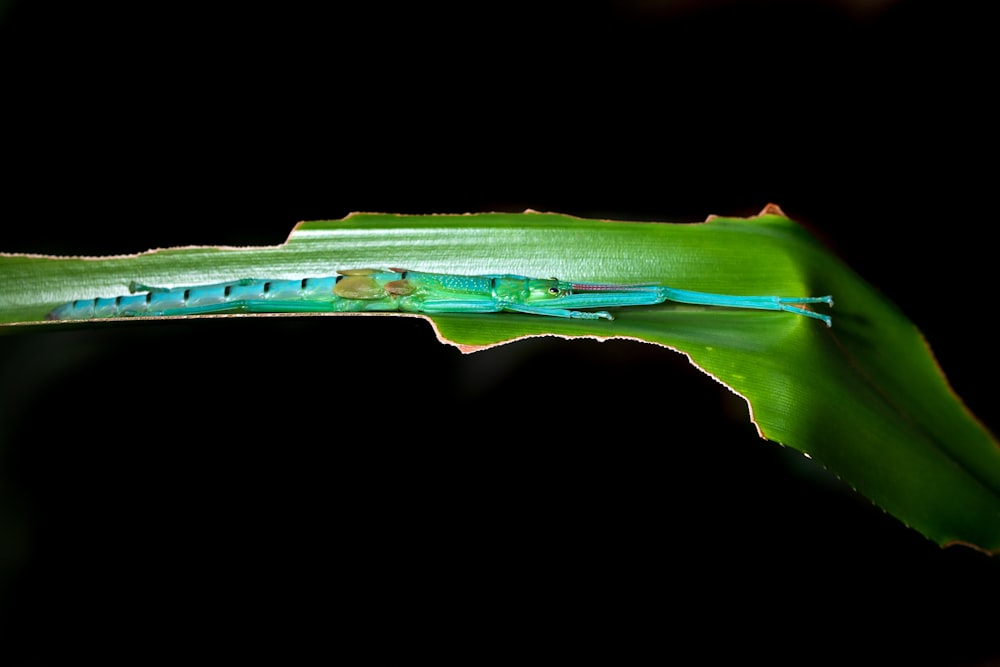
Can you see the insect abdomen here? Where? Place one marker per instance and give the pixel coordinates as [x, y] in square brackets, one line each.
[157, 301]
[85, 309]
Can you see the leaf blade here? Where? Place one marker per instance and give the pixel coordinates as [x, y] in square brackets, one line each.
[866, 398]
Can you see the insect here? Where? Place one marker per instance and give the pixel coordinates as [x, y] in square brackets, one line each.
[360, 290]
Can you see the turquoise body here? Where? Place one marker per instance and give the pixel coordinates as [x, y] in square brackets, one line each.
[314, 292]
[360, 290]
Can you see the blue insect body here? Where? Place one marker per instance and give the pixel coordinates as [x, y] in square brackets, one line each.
[360, 290]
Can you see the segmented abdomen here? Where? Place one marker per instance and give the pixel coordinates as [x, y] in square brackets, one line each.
[158, 301]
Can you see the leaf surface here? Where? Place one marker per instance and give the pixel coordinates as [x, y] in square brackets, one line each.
[865, 398]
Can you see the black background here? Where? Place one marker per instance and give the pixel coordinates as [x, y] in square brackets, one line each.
[280, 485]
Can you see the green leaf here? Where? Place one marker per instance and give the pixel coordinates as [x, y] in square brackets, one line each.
[865, 398]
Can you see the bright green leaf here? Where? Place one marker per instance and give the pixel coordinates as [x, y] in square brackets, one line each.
[865, 398]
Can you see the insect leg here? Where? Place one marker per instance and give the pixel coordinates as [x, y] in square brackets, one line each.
[787, 304]
[560, 312]
[248, 306]
[826, 319]
[488, 305]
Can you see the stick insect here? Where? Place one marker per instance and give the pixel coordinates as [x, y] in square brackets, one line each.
[361, 290]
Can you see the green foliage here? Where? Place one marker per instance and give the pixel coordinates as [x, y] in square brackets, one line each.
[865, 398]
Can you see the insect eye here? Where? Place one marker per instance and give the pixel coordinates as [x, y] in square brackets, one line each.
[554, 291]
